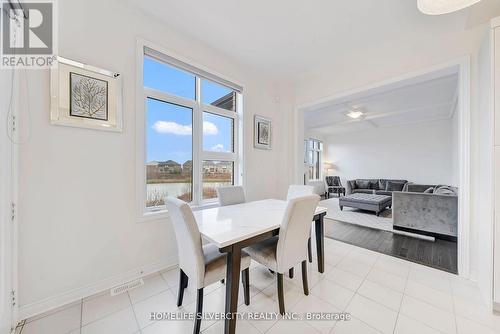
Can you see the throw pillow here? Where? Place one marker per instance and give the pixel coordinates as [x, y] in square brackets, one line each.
[363, 184]
[445, 190]
[429, 190]
[394, 186]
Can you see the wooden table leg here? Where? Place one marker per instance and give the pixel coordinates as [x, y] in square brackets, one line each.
[232, 287]
[320, 245]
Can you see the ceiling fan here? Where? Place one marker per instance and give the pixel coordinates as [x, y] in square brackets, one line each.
[439, 7]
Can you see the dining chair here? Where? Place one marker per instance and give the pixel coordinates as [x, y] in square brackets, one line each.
[231, 195]
[289, 247]
[203, 265]
[294, 191]
[297, 190]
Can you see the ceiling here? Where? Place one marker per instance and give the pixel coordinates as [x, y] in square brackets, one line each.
[430, 98]
[290, 38]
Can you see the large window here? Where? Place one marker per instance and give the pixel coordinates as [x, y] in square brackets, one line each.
[314, 152]
[191, 131]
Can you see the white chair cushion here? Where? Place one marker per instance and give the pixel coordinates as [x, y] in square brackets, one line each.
[215, 264]
[264, 252]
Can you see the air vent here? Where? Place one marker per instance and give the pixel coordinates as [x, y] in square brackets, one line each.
[126, 287]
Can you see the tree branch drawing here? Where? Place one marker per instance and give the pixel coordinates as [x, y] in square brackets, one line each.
[89, 97]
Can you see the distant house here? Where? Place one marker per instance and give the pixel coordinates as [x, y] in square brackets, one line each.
[170, 167]
[210, 167]
[187, 167]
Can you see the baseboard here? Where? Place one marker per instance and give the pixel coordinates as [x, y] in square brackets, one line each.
[50, 303]
[431, 234]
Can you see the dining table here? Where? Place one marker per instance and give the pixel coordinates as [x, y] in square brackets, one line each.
[234, 227]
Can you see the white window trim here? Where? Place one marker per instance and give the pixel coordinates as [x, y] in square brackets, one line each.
[320, 162]
[144, 214]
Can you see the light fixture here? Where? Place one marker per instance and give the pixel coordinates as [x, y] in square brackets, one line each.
[438, 7]
[353, 113]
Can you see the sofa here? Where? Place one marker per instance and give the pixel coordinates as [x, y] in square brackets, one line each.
[426, 210]
[375, 186]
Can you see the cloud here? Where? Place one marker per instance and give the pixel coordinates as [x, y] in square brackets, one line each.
[209, 128]
[174, 128]
[218, 148]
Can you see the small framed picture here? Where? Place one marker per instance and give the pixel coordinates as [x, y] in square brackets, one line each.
[263, 132]
[85, 96]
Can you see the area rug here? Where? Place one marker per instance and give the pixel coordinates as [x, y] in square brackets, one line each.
[364, 218]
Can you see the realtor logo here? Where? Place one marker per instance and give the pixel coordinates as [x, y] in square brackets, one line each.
[28, 34]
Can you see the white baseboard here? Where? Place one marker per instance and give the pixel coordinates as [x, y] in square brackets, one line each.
[50, 303]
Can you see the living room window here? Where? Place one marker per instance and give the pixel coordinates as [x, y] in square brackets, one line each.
[314, 154]
[192, 121]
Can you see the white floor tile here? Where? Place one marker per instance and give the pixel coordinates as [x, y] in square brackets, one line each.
[333, 293]
[387, 279]
[242, 327]
[381, 294]
[62, 322]
[406, 325]
[39, 316]
[477, 313]
[353, 326]
[261, 304]
[358, 268]
[429, 295]
[393, 265]
[291, 327]
[163, 302]
[467, 290]
[170, 327]
[430, 277]
[122, 322]
[261, 278]
[102, 306]
[152, 286]
[312, 304]
[292, 294]
[466, 326]
[344, 278]
[428, 314]
[172, 277]
[374, 314]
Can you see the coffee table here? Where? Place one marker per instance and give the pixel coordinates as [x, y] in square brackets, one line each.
[369, 202]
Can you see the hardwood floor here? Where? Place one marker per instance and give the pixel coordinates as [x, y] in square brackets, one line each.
[440, 254]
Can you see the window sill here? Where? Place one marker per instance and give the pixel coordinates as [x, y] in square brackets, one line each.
[163, 214]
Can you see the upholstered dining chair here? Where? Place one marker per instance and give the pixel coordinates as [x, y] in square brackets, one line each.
[201, 265]
[294, 191]
[231, 195]
[289, 247]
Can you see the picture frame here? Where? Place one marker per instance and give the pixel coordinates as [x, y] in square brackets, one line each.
[85, 96]
[262, 133]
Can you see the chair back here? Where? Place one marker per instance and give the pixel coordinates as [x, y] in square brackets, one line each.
[297, 190]
[295, 231]
[231, 195]
[333, 181]
[189, 242]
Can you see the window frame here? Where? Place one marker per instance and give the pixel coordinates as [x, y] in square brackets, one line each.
[311, 148]
[145, 48]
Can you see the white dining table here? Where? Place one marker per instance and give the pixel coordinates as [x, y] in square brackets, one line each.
[234, 227]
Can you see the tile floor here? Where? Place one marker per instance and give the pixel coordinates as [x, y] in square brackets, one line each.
[383, 295]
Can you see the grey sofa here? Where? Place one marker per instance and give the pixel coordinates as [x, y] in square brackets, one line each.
[375, 186]
[432, 214]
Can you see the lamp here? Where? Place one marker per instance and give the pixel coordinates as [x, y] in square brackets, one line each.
[438, 7]
[328, 166]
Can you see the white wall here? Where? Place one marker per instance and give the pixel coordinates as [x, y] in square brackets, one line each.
[77, 219]
[419, 153]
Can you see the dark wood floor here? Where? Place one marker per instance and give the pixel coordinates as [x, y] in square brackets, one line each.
[440, 254]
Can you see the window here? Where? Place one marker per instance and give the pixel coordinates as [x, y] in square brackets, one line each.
[191, 132]
[314, 151]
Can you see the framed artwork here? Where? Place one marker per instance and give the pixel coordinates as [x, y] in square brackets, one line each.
[262, 133]
[85, 96]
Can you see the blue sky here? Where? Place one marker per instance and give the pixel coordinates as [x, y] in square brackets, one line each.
[169, 126]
